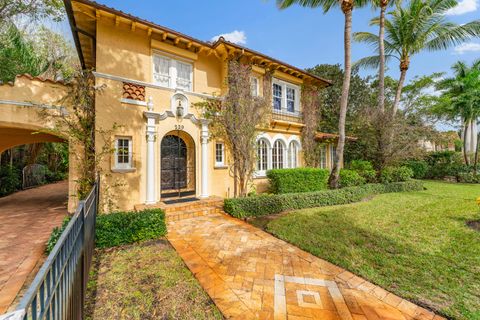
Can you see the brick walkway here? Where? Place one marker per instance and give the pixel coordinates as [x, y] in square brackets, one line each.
[26, 221]
[252, 275]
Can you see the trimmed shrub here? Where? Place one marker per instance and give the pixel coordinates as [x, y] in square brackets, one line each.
[396, 174]
[55, 235]
[120, 228]
[445, 163]
[419, 168]
[350, 178]
[297, 180]
[365, 169]
[270, 204]
[468, 177]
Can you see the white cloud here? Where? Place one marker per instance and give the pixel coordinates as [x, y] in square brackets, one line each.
[236, 36]
[463, 6]
[467, 47]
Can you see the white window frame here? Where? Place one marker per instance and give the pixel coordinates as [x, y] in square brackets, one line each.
[123, 165]
[260, 172]
[255, 86]
[222, 153]
[293, 156]
[283, 104]
[280, 164]
[173, 62]
[323, 156]
[333, 149]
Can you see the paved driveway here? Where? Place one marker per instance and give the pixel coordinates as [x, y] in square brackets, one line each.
[26, 221]
[250, 274]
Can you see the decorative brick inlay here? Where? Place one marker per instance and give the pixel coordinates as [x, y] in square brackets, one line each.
[133, 91]
[250, 274]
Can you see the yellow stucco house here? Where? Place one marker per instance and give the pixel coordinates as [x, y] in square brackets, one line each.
[151, 77]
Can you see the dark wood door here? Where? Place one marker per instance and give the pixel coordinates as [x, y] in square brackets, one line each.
[174, 163]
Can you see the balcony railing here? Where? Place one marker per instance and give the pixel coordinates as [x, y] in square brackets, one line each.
[288, 116]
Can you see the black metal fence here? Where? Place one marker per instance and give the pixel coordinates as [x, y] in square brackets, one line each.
[58, 290]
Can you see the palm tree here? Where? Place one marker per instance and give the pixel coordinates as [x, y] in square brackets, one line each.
[460, 98]
[383, 4]
[419, 26]
[347, 7]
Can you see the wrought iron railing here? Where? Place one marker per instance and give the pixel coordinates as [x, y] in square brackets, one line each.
[58, 290]
[284, 115]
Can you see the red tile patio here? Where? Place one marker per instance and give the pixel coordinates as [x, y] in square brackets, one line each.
[26, 221]
[250, 274]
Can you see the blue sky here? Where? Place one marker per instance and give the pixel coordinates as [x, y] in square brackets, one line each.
[300, 36]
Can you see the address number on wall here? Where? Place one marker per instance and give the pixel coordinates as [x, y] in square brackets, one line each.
[179, 127]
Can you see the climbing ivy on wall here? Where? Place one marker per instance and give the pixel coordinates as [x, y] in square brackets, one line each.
[236, 117]
[311, 100]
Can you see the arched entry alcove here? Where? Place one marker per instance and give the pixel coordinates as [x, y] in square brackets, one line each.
[177, 165]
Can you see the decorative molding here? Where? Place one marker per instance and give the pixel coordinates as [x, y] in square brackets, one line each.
[134, 102]
[123, 170]
[150, 85]
[28, 104]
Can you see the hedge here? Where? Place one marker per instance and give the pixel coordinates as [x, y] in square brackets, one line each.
[261, 205]
[297, 180]
[120, 228]
[350, 178]
[396, 174]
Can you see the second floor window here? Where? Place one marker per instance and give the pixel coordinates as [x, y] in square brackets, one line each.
[290, 99]
[285, 96]
[254, 86]
[277, 96]
[172, 73]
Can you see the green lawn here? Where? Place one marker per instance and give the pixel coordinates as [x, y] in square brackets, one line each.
[414, 244]
[145, 281]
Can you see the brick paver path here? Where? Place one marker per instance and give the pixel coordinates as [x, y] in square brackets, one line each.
[26, 221]
[252, 275]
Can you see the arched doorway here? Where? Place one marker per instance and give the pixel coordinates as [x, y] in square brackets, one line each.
[177, 153]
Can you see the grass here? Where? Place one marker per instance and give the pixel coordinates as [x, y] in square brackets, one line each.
[415, 244]
[145, 281]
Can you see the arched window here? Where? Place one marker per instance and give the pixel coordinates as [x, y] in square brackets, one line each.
[262, 155]
[277, 155]
[293, 154]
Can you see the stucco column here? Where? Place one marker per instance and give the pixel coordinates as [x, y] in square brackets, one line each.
[204, 165]
[151, 137]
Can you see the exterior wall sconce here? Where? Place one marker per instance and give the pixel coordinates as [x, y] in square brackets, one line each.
[179, 108]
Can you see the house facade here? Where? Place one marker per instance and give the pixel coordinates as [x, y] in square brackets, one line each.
[150, 78]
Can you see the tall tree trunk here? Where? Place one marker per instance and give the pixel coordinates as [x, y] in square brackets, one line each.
[465, 154]
[381, 47]
[404, 64]
[475, 160]
[333, 180]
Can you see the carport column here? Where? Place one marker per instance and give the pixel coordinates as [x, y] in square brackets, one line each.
[204, 164]
[151, 137]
